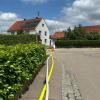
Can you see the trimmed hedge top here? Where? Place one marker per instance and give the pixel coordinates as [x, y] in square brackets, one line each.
[77, 43]
[17, 39]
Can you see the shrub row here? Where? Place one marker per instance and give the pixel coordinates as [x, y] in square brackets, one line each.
[79, 33]
[77, 43]
[17, 39]
[17, 66]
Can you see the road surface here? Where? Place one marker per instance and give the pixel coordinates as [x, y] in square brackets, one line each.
[81, 63]
[85, 65]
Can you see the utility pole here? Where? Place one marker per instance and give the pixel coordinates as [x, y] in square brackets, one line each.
[38, 15]
[36, 38]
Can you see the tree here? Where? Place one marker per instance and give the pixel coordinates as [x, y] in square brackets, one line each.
[82, 31]
[79, 32]
[69, 32]
[19, 32]
[93, 36]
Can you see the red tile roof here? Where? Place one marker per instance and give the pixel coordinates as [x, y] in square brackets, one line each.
[58, 35]
[92, 28]
[29, 24]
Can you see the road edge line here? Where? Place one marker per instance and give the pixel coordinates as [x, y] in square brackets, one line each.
[49, 76]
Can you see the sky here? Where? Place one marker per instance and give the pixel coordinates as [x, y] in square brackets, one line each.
[59, 14]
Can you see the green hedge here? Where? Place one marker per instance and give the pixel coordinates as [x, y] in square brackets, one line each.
[17, 65]
[77, 43]
[17, 39]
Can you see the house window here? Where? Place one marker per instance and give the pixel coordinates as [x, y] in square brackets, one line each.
[45, 33]
[50, 42]
[26, 32]
[45, 40]
[42, 25]
[12, 33]
[39, 32]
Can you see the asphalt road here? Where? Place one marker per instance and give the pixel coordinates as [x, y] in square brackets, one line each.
[85, 65]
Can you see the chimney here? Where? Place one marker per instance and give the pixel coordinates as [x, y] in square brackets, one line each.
[24, 19]
[37, 17]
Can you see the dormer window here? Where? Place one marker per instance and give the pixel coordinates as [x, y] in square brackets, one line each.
[42, 25]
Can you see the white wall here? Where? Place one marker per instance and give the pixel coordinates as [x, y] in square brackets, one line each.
[43, 29]
[52, 42]
[14, 33]
[32, 32]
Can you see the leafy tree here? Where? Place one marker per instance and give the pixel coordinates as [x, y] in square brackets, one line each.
[69, 32]
[93, 36]
[19, 32]
[82, 31]
[79, 32]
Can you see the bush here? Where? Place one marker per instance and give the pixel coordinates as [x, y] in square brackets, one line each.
[19, 32]
[17, 39]
[78, 33]
[77, 43]
[92, 36]
[75, 34]
[17, 65]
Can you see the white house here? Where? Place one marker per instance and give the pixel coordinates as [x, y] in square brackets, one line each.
[32, 26]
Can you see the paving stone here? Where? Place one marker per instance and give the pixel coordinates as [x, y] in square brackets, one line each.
[70, 87]
[79, 98]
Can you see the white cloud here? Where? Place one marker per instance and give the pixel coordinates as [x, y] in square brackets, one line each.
[6, 19]
[79, 12]
[55, 25]
[7, 16]
[82, 11]
[35, 1]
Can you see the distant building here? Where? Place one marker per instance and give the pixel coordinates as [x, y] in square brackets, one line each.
[32, 26]
[95, 28]
[58, 35]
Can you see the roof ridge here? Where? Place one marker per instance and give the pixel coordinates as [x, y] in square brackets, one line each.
[28, 24]
[91, 25]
